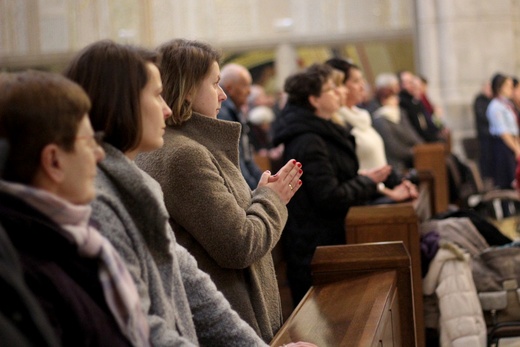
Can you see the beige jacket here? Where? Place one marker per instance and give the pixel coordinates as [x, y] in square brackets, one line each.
[230, 230]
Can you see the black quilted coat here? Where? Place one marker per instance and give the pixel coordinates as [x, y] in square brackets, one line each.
[330, 186]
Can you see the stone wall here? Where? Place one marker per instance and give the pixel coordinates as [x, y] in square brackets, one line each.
[460, 44]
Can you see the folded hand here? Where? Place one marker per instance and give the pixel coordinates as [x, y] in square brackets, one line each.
[285, 182]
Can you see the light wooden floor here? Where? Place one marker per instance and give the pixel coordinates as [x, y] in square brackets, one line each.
[509, 227]
[508, 342]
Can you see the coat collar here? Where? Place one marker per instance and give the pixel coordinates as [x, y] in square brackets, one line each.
[135, 195]
[391, 113]
[215, 134]
[296, 121]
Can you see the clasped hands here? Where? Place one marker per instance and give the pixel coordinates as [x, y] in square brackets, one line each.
[404, 191]
[285, 182]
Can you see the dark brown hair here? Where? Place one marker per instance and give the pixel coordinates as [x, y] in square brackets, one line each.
[497, 81]
[306, 83]
[36, 109]
[343, 65]
[184, 64]
[113, 75]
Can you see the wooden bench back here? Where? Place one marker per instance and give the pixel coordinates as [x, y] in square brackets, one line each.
[361, 296]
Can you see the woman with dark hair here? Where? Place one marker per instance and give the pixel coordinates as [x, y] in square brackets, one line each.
[228, 228]
[370, 147]
[503, 127]
[182, 304]
[331, 181]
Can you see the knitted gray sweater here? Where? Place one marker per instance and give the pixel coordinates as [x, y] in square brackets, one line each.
[183, 305]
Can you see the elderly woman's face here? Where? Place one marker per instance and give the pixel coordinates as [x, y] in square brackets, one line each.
[209, 95]
[79, 166]
[328, 102]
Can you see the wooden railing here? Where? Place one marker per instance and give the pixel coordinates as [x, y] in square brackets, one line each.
[361, 296]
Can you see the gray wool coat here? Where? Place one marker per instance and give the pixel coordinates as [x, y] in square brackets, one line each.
[183, 305]
[230, 230]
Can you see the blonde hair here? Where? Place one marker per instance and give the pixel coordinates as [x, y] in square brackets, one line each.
[338, 77]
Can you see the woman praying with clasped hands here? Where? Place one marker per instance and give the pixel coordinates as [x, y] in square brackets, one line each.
[228, 228]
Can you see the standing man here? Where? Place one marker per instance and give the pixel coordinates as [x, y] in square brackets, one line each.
[236, 81]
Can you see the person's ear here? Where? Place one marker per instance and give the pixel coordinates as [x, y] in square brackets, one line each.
[228, 88]
[51, 162]
[191, 95]
[313, 100]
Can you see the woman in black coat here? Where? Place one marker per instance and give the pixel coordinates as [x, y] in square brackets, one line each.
[331, 183]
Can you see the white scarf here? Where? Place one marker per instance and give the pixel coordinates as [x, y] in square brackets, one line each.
[356, 117]
[392, 113]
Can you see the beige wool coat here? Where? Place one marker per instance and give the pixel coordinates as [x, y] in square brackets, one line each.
[229, 229]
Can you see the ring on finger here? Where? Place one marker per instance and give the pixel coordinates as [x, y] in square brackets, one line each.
[290, 186]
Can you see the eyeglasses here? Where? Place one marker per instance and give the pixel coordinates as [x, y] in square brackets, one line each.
[97, 137]
[328, 87]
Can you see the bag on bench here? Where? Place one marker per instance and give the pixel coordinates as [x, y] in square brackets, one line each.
[496, 273]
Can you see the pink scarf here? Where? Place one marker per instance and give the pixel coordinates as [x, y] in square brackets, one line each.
[118, 287]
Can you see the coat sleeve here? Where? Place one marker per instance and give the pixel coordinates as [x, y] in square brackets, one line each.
[202, 197]
[216, 323]
[462, 321]
[109, 219]
[321, 181]
[461, 318]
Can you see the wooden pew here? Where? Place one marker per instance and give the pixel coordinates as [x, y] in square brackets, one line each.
[395, 222]
[361, 296]
[400, 222]
[263, 162]
[431, 157]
